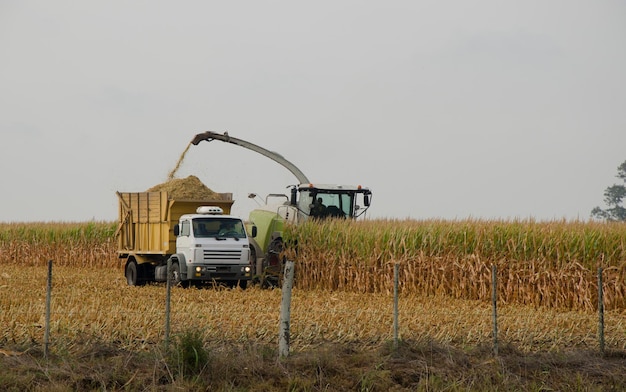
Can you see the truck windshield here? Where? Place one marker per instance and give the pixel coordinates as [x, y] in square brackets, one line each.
[218, 227]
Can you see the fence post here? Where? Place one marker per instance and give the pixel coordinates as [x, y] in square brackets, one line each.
[395, 304]
[494, 302]
[285, 309]
[46, 336]
[168, 291]
[600, 312]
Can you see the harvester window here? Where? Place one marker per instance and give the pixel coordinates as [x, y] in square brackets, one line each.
[331, 205]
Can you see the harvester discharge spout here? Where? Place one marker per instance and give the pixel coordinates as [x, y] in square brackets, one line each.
[210, 136]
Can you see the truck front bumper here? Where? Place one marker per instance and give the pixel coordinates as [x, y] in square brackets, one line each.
[223, 272]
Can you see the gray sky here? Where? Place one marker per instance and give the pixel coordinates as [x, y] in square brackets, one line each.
[457, 109]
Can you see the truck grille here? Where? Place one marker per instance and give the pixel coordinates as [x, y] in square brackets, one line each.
[224, 254]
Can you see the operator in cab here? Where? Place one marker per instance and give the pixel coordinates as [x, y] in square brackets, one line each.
[230, 228]
[318, 209]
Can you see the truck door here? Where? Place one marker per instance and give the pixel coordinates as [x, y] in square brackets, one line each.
[184, 240]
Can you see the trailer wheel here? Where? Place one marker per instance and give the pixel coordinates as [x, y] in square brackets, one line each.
[132, 273]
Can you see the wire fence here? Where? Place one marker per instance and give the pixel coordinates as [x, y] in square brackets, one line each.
[174, 315]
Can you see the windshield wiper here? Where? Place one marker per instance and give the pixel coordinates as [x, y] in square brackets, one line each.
[222, 238]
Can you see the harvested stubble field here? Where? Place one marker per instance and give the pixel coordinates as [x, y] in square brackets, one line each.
[106, 335]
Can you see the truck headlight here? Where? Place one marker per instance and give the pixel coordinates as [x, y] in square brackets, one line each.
[246, 269]
[198, 269]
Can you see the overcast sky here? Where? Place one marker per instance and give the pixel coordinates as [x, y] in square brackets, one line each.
[444, 109]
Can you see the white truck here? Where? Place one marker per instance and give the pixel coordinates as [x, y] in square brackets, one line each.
[203, 244]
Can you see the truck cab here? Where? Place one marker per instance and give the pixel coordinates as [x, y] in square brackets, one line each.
[211, 247]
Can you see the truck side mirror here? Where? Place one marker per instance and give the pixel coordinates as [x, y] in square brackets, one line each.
[176, 230]
[366, 200]
[254, 231]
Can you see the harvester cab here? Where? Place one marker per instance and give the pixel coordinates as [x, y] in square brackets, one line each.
[330, 201]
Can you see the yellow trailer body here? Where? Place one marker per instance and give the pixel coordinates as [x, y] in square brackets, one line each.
[147, 220]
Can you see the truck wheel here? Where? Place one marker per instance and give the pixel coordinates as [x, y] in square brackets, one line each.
[175, 277]
[253, 260]
[273, 265]
[257, 268]
[242, 284]
[132, 273]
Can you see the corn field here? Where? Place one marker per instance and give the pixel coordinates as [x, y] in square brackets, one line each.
[552, 264]
[75, 244]
[547, 264]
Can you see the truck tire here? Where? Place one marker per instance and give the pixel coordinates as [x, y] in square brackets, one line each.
[256, 266]
[253, 260]
[132, 274]
[273, 265]
[175, 277]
